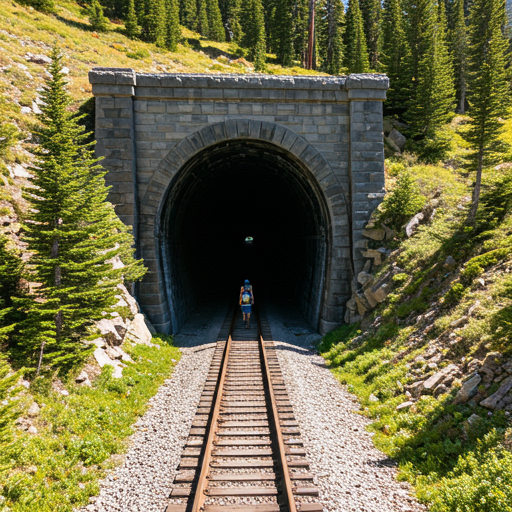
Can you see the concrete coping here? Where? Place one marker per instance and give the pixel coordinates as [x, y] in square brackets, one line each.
[127, 76]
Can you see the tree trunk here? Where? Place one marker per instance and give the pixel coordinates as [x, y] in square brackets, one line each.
[40, 358]
[311, 36]
[462, 99]
[470, 221]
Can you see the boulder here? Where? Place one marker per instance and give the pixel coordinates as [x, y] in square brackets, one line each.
[474, 418]
[468, 389]
[373, 398]
[83, 379]
[364, 277]
[112, 353]
[435, 380]
[391, 147]
[108, 330]
[99, 342]
[373, 253]
[120, 326]
[362, 304]
[139, 332]
[450, 263]
[441, 390]
[411, 226]
[415, 389]
[381, 292]
[33, 410]
[397, 138]
[38, 59]
[459, 322]
[374, 233]
[102, 358]
[404, 405]
[352, 304]
[492, 401]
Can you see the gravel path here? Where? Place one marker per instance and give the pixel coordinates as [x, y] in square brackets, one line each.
[351, 474]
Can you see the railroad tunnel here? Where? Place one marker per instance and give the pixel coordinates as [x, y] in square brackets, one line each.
[219, 200]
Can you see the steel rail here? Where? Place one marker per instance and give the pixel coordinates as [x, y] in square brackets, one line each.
[289, 497]
[200, 494]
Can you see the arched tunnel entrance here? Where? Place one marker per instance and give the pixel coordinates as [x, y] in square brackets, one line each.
[229, 192]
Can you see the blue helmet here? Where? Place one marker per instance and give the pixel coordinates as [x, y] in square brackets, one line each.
[247, 281]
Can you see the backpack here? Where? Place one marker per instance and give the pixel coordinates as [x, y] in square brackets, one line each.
[246, 297]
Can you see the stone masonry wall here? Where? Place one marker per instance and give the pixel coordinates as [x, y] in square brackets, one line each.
[148, 126]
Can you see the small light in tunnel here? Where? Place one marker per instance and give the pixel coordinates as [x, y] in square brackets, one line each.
[249, 239]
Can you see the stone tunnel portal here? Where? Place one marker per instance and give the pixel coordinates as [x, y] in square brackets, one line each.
[231, 191]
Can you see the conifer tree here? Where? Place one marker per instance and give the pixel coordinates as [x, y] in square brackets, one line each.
[188, 14]
[371, 13]
[330, 36]
[156, 21]
[355, 41]
[254, 30]
[488, 91]
[203, 24]
[173, 30]
[434, 97]
[98, 21]
[459, 51]
[233, 15]
[395, 55]
[215, 28]
[283, 32]
[131, 24]
[72, 233]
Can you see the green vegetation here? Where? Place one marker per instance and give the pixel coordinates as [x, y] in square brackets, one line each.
[457, 455]
[60, 467]
[73, 235]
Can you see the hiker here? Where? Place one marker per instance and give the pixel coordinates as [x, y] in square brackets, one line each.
[246, 301]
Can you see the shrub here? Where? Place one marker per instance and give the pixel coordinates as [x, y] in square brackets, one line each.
[45, 6]
[402, 202]
[454, 294]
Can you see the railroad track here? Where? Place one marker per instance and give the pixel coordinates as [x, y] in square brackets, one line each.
[244, 452]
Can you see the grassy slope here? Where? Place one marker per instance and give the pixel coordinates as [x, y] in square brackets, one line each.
[456, 465]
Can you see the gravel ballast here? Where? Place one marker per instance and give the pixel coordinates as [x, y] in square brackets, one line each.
[352, 475]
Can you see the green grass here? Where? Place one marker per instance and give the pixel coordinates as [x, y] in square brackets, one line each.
[59, 468]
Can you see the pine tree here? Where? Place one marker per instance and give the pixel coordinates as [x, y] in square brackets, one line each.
[371, 12]
[355, 41]
[72, 233]
[131, 25]
[254, 30]
[98, 21]
[156, 20]
[395, 55]
[459, 51]
[215, 27]
[173, 30]
[233, 16]
[488, 91]
[283, 32]
[330, 36]
[434, 97]
[188, 14]
[203, 24]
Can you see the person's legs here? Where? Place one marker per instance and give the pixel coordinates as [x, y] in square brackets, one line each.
[248, 320]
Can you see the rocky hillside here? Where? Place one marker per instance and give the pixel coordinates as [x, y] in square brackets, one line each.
[428, 349]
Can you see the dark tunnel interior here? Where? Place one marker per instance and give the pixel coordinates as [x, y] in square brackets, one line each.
[232, 191]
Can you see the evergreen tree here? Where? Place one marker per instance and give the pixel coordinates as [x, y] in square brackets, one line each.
[233, 16]
[330, 36]
[459, 50]
[156, 20]
[371, 12]
[173, 30]
[188, 14]
[203, 24]
[355, 41]
[72, 233]
[98, 21]
[215, 27]
[395, 55]
[434, 97]
[254, 30]
[11, 274]
[488, 91]
[283, 31]
[131, 24]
